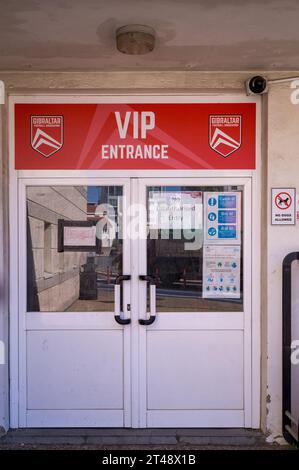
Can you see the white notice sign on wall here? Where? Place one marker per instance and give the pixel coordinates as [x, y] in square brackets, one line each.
[80, 236]
[283, 204]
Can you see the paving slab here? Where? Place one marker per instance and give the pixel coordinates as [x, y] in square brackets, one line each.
[93, 432]
[222, 440]
[219, 432]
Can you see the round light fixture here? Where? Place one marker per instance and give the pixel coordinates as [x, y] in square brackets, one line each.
[135, 39]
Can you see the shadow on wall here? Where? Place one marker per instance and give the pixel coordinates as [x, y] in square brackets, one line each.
[32, 296]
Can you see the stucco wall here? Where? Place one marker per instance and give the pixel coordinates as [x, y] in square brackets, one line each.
[283, 171]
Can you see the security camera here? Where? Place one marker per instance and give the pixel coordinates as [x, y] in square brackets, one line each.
[256, 85]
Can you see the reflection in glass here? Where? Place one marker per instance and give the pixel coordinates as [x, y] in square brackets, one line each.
[175, 247]
[72, 280]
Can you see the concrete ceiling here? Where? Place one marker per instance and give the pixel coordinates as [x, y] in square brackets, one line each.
[191, 34]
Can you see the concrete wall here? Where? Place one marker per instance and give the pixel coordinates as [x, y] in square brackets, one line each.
[280, 168]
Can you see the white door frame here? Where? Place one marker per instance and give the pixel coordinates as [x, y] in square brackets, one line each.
[72, 176]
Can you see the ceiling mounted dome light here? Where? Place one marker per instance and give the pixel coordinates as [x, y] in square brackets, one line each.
[135, 39]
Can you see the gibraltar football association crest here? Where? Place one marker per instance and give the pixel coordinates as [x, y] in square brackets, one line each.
[47, 134]
[225, 133]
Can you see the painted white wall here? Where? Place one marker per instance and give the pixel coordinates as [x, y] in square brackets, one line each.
[283, 171]
[4, 414]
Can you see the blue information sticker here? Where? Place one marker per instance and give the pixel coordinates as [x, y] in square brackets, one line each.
[227, 217]
[227, 201]
[212, 201]
[212, 231]
[227, 231]
[212, 216]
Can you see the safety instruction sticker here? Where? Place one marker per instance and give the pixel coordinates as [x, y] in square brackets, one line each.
[283, 205]
[222, 218]
[221, 271]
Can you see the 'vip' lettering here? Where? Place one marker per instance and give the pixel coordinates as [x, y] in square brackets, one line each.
[141, 122]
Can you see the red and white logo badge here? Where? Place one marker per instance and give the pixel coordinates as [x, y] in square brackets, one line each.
[47, 134]
[225, 133]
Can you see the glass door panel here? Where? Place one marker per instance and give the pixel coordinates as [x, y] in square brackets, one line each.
[194, 247]
[74, 247]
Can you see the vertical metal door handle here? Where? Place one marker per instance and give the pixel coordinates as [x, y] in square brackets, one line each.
[118, 281]
[152, 284]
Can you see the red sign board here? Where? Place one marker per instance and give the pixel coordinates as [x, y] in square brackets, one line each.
[135, 136]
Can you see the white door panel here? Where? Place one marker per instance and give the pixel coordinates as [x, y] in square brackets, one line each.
[75, 418]
[195, 419]
[79, 370]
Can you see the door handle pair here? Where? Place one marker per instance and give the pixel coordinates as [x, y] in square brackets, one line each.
[117, 298]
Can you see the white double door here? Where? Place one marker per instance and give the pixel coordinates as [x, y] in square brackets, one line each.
[188, 366]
